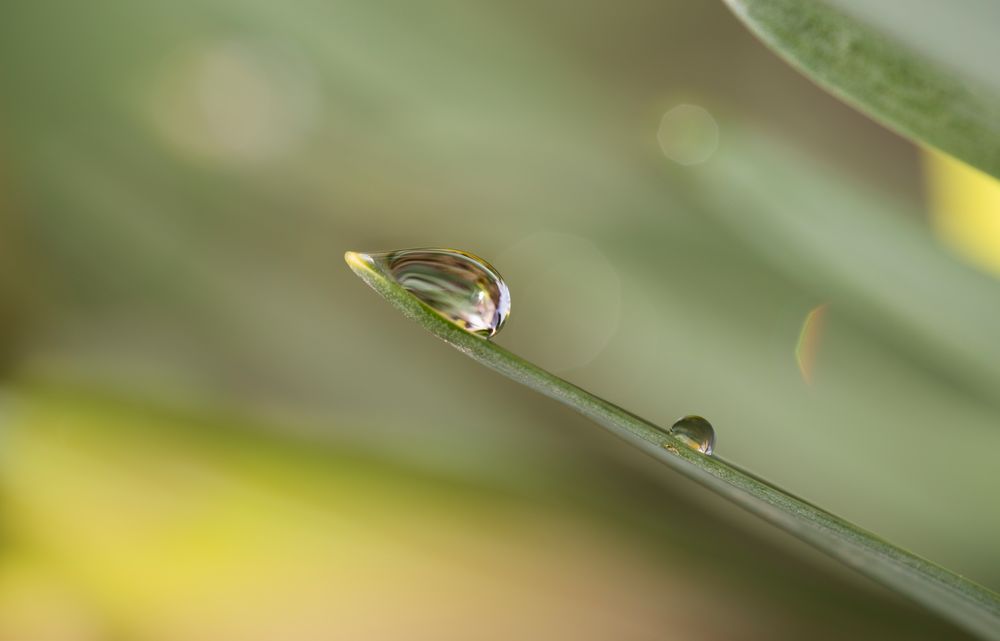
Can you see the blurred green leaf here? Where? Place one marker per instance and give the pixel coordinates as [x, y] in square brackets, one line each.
[963, 602]
[863, 250]
[910, 90]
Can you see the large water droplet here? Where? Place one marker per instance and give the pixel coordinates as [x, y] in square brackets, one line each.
[695, 432]
[458, 285]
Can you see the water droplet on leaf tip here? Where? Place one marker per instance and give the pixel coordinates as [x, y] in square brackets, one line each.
[461, 287]
[695, 432]
[357, 259]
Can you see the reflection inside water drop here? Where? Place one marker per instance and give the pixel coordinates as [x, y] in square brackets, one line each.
[458, 285]
[695, 432]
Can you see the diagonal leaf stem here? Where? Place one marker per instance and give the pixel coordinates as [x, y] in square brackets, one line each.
[951, 596]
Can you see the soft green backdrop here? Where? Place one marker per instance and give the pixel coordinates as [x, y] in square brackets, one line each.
[178, 182]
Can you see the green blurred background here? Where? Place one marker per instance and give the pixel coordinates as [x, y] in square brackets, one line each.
[210, 429]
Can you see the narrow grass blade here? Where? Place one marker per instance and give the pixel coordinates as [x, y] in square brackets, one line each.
[966, 604]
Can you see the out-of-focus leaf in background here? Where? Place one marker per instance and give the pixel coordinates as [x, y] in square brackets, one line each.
[906, 68]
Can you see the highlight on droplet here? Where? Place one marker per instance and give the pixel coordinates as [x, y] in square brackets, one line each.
[358, 260]
[695, 432]
[809, 339]
[459, 286]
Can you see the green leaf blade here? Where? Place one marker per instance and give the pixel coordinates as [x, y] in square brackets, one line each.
[963, 602]
[906, 90]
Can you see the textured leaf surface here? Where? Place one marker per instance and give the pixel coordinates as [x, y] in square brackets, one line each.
[913, 91]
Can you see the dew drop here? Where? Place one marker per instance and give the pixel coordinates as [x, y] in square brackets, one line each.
[695, 432]
[458, 285]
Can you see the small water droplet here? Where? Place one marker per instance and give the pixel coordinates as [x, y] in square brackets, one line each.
[458, 285]
[695, 432]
